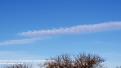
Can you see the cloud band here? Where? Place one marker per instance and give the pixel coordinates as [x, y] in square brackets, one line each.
[74, 29]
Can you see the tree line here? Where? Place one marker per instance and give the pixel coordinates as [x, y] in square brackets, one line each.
[67, 61]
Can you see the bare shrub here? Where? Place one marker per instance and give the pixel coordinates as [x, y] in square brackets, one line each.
[87, 61]
[80, 61]
[62, 61]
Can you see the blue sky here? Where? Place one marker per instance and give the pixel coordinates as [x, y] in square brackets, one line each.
[19, 17]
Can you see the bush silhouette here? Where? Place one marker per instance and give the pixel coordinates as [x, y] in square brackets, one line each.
[79, 61]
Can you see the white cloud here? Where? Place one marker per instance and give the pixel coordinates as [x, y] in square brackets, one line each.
[18, 55]
[33, 36]
[18, 41]
[74, 29]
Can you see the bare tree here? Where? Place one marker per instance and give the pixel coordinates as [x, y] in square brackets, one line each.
[62, 61]
[19, 66]
[87, 61]
[80, 61]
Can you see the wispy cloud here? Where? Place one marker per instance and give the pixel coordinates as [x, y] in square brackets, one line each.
[18, 55]
[74, 29]
[33, 36]
[19, 41]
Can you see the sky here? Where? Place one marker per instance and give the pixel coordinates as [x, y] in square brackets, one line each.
[39, 29]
